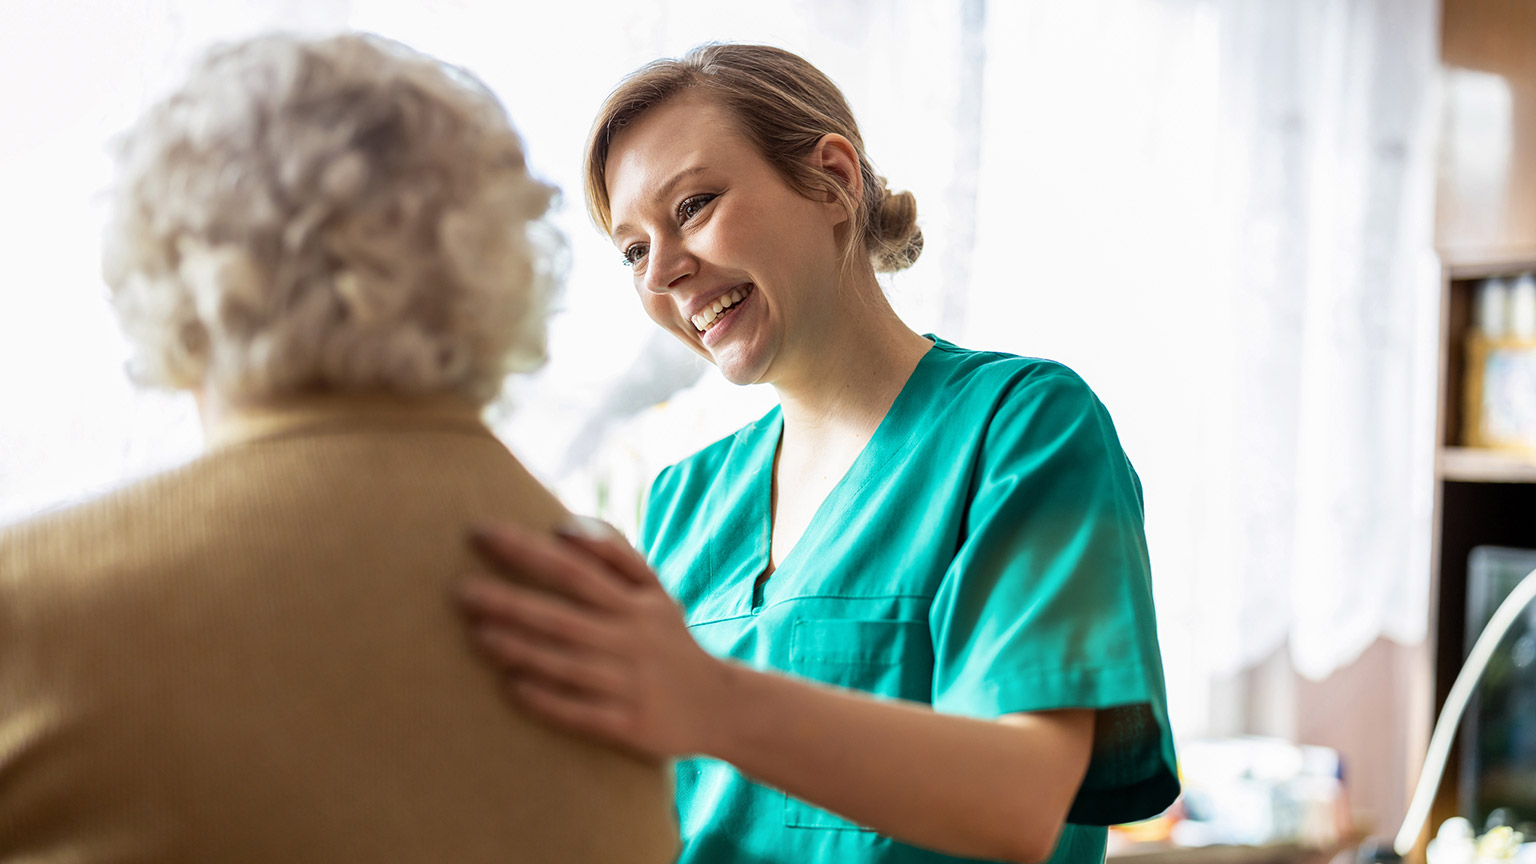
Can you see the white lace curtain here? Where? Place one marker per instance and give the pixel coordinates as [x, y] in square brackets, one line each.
[1221, 213]
[1217, 211]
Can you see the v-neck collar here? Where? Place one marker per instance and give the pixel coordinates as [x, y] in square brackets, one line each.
[890, 438]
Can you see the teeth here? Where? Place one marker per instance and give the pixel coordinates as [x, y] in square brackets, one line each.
[706, 319]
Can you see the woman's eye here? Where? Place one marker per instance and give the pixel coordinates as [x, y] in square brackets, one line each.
[691, 207]
[633, 254]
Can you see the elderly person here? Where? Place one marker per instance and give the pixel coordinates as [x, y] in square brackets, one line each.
[336, 244]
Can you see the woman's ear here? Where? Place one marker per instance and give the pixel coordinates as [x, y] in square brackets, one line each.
[837, 156]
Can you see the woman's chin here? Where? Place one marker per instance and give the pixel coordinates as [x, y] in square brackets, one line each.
[739, 366]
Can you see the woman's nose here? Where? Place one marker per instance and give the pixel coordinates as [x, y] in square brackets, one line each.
[669, 266]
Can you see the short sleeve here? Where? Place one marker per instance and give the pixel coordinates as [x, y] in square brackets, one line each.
[1048, 602]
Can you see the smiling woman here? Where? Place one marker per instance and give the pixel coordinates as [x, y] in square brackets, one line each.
[723, 221]
[851, 678]
[783, 112]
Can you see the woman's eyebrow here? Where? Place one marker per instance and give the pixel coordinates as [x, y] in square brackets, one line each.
[664, 191]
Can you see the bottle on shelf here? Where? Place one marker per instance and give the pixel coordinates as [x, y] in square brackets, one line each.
[1522, 308]
[1490, 308]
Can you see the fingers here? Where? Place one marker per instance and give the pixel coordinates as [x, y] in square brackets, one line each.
[587, 636]
[548, 562]
[580, 672]
[603, 542]
[605, 721]
[533, 612]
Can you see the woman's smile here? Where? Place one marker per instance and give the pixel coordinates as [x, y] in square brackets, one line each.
[714, 322]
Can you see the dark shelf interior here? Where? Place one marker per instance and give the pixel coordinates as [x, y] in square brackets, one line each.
[1471, 514]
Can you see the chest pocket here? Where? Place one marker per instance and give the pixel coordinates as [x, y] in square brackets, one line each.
[891, 658]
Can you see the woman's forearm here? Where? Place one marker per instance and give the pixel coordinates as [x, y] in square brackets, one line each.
[615, 660]
[995, 790]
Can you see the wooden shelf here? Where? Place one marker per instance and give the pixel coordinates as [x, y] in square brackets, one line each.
[1473, 465]
[1505, 262]
[1485, 227]
[1482, 497]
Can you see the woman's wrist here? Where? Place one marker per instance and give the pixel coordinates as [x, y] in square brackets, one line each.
[727, 688]
[755, 715]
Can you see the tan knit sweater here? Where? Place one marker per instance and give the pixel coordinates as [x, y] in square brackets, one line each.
[255, 658]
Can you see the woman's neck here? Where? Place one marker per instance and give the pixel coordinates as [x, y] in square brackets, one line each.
[853, 376]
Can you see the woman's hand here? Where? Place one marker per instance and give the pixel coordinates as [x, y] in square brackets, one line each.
[591, 641]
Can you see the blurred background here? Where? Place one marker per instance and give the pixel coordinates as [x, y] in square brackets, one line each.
[1265, 231]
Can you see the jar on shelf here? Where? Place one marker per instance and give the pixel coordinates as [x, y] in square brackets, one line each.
[1500, 409]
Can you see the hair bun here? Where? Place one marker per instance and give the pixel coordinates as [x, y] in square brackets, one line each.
[895, 239]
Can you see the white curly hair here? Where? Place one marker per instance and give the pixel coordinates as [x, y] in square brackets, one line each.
[322, 214]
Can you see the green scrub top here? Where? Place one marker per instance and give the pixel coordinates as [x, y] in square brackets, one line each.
[984, 555]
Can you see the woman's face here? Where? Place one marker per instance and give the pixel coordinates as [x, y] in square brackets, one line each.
[726, 255]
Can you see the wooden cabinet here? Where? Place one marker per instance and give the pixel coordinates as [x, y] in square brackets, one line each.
[1481, 497]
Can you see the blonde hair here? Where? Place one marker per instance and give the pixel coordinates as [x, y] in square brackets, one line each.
[784, 106]
[339, 213]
